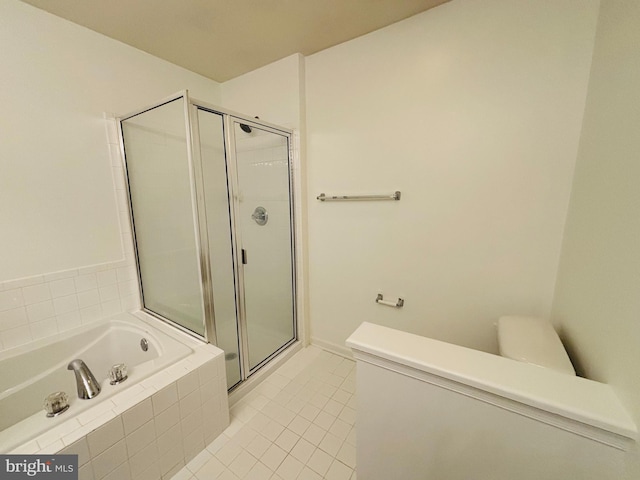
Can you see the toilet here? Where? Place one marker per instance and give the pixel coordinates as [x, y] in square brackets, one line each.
[533, 340]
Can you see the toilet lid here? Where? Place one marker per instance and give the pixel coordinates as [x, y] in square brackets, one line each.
[533, 340]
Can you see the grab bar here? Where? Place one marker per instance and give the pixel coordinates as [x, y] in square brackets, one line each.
[381, 301]
[324, 198]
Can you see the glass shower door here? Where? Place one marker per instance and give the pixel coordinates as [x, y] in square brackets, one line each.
[264, 224]
[220, 239]
[162, 205]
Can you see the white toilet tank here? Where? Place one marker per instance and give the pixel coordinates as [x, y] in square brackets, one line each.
[533, 340]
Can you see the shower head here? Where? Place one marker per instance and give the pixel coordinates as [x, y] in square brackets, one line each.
[245, 128]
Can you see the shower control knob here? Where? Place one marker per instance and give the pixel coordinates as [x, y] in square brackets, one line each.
[56, 403]
[118, 374]
[260, 216]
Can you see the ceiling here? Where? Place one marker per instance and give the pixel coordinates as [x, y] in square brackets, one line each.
[222, 39]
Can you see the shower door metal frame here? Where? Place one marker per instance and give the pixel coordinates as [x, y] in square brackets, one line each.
[195, 177]
[197, 189]
[229, 118]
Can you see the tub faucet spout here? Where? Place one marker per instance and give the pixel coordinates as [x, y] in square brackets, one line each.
[88, 386]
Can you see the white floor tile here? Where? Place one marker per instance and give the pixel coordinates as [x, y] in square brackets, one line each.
[333, 407]
[228, 475]
[272, 430]
[259, 472]
[287, 440]
[338, 471]
[218, 443]
[242, 464]
[210, 470]
[258, 446]
[348, 415]
[290, 468]
[340, 429]
[347, 455]
[324, 420]
[331, 444]
[199, 460]
[297, 425]
[303, 450]
[273, 457]
[308, 474]
[320, 462]
[228, 453]
[314, 434]
[310, 412]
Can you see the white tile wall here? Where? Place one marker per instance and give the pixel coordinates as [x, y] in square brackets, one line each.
[47, 304]
[157, 436]
[43, 305]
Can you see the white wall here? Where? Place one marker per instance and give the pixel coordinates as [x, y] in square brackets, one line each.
[274, 92]
[473, 110]
[597, 304]
[64, 225]
[57, 203]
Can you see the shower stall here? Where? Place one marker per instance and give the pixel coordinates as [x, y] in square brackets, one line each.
[212, 215]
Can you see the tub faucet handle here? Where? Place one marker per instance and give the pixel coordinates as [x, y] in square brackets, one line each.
[88, 386]
[56, 403]
[118, 374]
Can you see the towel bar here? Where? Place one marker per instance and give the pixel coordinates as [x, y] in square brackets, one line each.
[324, 198]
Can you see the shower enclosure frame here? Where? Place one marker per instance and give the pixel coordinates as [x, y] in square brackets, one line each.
[197, 189]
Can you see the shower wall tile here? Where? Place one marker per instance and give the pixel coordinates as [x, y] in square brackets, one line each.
[11, 299]
[45, 305]
[85, 282]
[50, 277]
[110, 308]
[91, 314]
[23, 282]
[13, 318]
[63, 287]
[110, 292]
[15, 337]
[42, 329]
[65, 304]
[88, 298]
[107, 277]
[40, 311]
[36, 293]
[68, 321]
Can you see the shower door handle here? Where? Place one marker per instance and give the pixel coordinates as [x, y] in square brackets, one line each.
[244, 256]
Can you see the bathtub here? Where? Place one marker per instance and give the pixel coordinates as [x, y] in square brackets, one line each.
[30, 372]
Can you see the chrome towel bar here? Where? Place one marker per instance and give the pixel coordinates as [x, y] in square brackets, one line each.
[381, 301]
[336, 198]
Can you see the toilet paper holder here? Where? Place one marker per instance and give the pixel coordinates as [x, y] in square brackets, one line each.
[380, 299]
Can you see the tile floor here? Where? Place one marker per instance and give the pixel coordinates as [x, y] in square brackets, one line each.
[299, 424]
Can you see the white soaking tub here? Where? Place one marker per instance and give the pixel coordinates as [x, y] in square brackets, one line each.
[31, 372]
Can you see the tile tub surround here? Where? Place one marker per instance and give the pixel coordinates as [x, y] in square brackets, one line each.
[43, 305]
[152, 431]
[298, 424]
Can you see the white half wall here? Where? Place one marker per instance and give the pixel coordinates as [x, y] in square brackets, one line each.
[597, 304]
[473, 110]
[57, 202]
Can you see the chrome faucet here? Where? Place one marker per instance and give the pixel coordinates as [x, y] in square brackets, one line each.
[88, 386]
